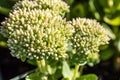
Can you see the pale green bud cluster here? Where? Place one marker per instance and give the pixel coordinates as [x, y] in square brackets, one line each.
[37, 33]
[58, 6]
[36, 30]
[88, 36]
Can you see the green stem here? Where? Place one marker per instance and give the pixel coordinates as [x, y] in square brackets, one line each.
[81, 70]
[75, 72]
[42, 66]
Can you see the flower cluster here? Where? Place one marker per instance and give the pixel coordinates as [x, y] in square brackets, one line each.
[36, 30]
[87, 38]
[58, 6]
[37, 33]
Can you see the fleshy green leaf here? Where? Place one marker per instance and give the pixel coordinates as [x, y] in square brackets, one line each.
[32, 62]
[67, 73]
[114, 22]
[36, 76]
[88, 77]
[33, 76]
[4, 10]
[109, 31]
[106, 54]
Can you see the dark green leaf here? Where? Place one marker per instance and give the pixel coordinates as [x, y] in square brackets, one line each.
[88, 77]
[106, 54]
[4, 10]
[6, 6]
[7, 3]
[33, 62]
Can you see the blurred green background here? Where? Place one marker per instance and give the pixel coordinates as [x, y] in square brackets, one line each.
[107, 12]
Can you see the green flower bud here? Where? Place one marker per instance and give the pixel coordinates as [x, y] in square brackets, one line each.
[87, 38]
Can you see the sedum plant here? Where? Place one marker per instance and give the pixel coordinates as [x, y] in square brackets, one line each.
[37, 31]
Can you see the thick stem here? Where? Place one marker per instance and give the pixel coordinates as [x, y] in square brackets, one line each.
[75, 72]
[42, 66]
[81, 70]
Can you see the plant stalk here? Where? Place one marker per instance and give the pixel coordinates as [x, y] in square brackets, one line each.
[75, 72]
[42, 66]
[81, 70]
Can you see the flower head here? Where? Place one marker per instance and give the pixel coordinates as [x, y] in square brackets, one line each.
[87, 38]
[37, 34]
